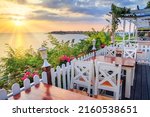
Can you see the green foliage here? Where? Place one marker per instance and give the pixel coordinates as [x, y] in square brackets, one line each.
[66, 48]
[100, 36]
[18, 61]
[148, 5]
[117, 12]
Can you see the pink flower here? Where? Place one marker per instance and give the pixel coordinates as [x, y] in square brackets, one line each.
[35, 73]
[68, 59]
[24, 77]
[27, 73]
[63, 58]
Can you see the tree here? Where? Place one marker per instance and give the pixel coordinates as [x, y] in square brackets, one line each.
[148, 5]
[116, 13]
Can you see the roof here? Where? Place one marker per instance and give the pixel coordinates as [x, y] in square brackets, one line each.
[141, 18]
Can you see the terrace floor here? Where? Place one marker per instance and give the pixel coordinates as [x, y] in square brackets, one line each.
[141, 87]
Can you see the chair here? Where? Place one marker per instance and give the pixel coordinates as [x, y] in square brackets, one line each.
[132, 45]
[16, 89]
[82, 73]
[26, 84]
[3, 94]
[111, 51]
[108, 78]
[129, 52]
[36, 79]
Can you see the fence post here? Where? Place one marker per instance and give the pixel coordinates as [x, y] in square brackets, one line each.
[47, 70]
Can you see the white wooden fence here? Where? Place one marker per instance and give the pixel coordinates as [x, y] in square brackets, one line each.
[61, 76]
[15, 89]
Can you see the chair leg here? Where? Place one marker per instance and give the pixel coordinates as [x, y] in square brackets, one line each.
[78, 87]
[133, 72]
[120, 92]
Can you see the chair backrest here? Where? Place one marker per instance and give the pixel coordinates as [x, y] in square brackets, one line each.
[3, 94]
[110, 51]
[107, 77]
[120, 45]
[44, 77]
[36, 79]
[82, 74]
[132, 45]
[129, 52]
[26, 83]
[15, 88]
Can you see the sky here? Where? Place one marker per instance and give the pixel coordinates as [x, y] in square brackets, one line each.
[53, 15]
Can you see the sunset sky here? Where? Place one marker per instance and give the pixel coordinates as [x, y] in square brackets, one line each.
[50, 15]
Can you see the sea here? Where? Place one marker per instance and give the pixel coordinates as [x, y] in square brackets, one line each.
[34, 40]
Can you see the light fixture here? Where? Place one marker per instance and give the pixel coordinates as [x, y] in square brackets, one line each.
[94, 42]
[43, 53]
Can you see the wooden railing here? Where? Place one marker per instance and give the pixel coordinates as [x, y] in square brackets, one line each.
[61, 77]
[17, 89]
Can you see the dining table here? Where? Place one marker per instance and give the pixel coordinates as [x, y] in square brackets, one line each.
[48, 92]
[127, 64]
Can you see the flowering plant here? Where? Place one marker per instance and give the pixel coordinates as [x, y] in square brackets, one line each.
[64, 59]
[102, 45]
[29, 75]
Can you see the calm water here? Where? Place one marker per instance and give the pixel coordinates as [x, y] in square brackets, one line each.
[25, 40]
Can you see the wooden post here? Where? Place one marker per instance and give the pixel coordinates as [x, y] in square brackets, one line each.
[130, 30]
[94, 51]
[124, 23]
[48, 71]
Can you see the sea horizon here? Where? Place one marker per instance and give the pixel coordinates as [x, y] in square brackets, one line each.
[34, 39]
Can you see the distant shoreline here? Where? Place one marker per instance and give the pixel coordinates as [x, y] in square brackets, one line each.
[68, 32]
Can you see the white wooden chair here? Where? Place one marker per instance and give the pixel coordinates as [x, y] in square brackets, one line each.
[108, 78]
[132, 45]
[44, 77]
[15, 89]
[36, 79]
[26, 84]
[110, 51]
[3, 94]
[82, 73]
[129, 52]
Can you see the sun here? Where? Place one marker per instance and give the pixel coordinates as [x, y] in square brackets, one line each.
[18, 22]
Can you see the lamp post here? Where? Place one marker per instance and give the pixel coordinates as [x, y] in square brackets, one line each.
[46, 66]
[94, 48]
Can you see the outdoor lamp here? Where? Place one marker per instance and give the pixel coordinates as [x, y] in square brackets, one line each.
[94, 42]
[43, 52]
[46, 66]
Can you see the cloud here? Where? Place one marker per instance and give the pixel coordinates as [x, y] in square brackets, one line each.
[72, 10]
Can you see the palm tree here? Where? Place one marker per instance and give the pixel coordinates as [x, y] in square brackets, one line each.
[148, 5]
[116, 13]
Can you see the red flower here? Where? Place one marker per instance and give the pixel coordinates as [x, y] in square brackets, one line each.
[27, 73]
[24, 77]
[35, 73]
[63, 57]
[68, 59]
